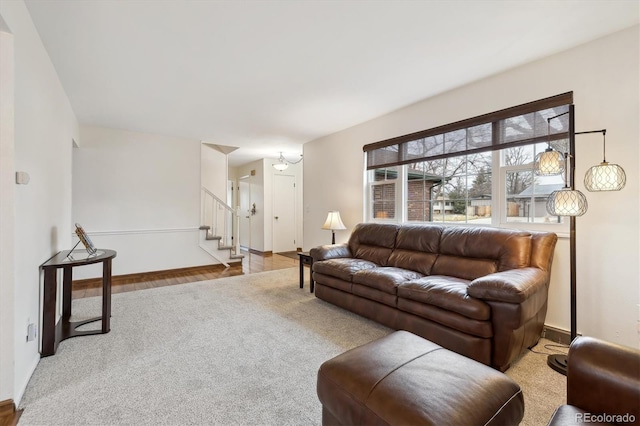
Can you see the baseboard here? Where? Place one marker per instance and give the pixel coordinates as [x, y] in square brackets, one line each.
[150, 276]
[557, 335]
[8, 414]
[260, 253]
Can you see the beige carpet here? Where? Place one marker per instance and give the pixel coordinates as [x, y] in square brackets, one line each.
[242, 350]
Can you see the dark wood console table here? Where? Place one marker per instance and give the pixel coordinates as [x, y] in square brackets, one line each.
[53, 334]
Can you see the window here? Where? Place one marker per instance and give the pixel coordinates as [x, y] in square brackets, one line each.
[471, 171]
[383, 193]
[524, 192]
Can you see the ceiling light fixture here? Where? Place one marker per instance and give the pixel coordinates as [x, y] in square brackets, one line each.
[283, 163]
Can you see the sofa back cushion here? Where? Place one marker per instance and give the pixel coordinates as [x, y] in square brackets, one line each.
[542, 247]
[373, 242]
[472, 252]
[416, 247]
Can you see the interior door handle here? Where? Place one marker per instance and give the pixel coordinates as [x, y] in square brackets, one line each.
[276, 217]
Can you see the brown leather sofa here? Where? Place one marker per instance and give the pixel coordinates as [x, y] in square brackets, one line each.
[603, 385]
[478, 291]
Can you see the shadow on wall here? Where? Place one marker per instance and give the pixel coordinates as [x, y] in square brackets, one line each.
[54, 239]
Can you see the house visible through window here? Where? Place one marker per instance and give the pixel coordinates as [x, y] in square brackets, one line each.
[471, 171]
[383, 193]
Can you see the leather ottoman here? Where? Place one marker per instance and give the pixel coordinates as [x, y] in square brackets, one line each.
[403, 379]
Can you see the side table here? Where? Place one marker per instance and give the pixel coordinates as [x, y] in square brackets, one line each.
[52, 333]
[306, 259]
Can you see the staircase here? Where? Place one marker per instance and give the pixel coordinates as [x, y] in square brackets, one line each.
[221, 225]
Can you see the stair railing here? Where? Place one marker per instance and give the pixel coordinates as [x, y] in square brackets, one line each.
[223, 221]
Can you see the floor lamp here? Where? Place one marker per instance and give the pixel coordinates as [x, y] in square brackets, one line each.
[572, 203]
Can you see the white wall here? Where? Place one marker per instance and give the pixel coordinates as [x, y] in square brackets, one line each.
[45, 126]
[7, 217]
[138, 194]
[213, 171]
[603, 76]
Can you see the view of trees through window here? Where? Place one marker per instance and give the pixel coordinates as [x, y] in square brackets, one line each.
[478, 185]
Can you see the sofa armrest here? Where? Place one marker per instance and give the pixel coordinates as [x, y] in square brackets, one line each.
[332, 251]
[512, 286]
[603, 377]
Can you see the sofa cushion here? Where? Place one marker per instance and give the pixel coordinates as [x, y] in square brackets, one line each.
[385, 279]
[416, 248]
[333, 282]
[447, 293]
[471, 252]
[342, 268]
[371, 293]
[447, 318]
[464, 268]
[373, 242]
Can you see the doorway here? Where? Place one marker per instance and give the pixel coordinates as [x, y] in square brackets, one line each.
[284, 213]
[244, 200]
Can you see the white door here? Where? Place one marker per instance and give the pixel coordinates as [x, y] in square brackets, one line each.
[284, 213]
[245, 214]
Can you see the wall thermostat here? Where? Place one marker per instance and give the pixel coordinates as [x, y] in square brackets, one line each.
[22, 178]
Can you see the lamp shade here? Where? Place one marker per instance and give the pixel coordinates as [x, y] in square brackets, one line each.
[333, 222]
[605, 177]
[280, 166]
[549, 163]
[567, 202]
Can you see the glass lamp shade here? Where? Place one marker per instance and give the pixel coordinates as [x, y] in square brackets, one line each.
[567, 202]
[549, 163]
[280, 166]
[334, 222]
[605, 177]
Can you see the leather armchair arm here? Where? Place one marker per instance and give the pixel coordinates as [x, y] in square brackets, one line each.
[603, 378]
[512, 286]
[332, 251]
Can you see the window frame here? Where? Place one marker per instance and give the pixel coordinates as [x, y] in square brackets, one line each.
[370, 182]
[498, 170]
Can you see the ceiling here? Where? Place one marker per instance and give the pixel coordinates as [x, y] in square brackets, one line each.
[268, 76]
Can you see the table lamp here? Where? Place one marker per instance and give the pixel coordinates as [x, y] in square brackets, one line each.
[333, 223]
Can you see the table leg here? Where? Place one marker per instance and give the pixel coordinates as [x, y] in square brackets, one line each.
[67, 283]
[49, 312]
[106, 296]
[301, 273]
[312, 284]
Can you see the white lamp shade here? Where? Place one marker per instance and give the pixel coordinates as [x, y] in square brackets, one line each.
[280, 166]
[549, 163]
[605, 177]
[567, 202]
[333, 221]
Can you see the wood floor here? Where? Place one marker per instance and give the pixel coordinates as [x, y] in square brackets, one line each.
[251, 264]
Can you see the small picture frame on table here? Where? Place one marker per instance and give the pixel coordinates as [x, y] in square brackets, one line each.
[86, 241]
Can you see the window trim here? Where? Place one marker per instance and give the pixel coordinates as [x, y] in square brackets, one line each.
[498, 179]
[494, 118]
